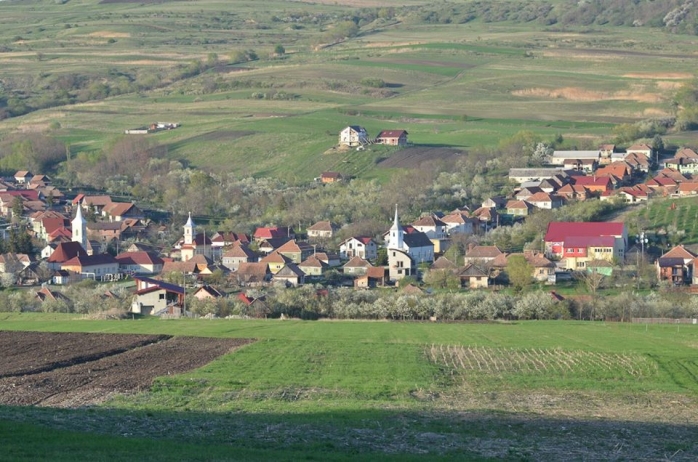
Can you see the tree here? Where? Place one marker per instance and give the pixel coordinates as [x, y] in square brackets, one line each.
[17, 209]
[520, 272]
[279, 50]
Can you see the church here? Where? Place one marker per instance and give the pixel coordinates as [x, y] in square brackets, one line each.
[195, 244]
[407, 250]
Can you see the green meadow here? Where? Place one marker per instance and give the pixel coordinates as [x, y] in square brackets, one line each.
[460, 85]
[384, 390]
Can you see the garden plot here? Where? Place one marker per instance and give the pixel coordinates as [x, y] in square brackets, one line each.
[540, 361]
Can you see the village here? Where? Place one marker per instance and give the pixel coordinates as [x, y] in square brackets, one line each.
[95, 237]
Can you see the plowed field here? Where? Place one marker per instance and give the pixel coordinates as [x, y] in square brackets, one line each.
[73, 370]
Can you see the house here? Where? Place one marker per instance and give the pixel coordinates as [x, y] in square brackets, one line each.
[40, 180]
[663, 186]
[330, 259]
[47, 295]
[487, 217]
[13, 262]
[101, 267]
[559, 157]
[638, 162]
[676, 266]
[359, 246]
[296, 251]
[526, 192]
[353, 135]
[392, 137]
[641, 149]
[494, 202]
[322, 230]
[545, 201]
[634, 194]
[251, 274]
[581, 165]
[207, 292]
[458, 222]
[34, 274]
[221, 239]
[273, 232]
[290, 275]
[481, 254]
[400, 265]
[197, 265]
[519, 208]
[356, 265]
[374, 277]
[330, 177]
[582, 241]
[474, 277]
[275, 261]
[313, 266]
[687, 188]
[238, 253]
[104, 231]
[685, 165]
[23, 176]
[157, 297]
[443, 263]
[606, 151]
[139, 263]
[95, 203]
[593, 184]
[267, 246]
[120, 211]
[573, 192]
[618, 172]
[435, 230]
[521, 175]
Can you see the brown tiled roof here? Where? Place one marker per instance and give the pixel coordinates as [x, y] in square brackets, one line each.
[118, 209]
[429, 220]
[679, 252]
[483, 251]
[240, 251]
[357, 262]
[97, 200]
[257, 269]
[66, 251]
[443, 263]
[323, 226]
[275, 257]
[139, 258]
[313, 262]
[294, 246]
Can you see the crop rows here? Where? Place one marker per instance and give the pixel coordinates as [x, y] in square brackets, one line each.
[538, 361]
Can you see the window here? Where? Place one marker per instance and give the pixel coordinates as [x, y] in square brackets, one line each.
[162, 297]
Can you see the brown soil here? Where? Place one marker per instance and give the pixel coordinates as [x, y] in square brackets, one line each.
[421, 157]
[73, 370]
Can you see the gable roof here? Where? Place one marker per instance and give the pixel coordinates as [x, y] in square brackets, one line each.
[417, 239]
[294, 246]
[365, 240]
[472, 270]
[290, 270]
[357, 262]
[118, 209]
[559, 230]
[96, 201]
[312, 262]
[139, 258]
[272, 232]
[157, 284]
[592, 181]
[323, 226]
[257, 270]
[90, 260]
[429, 220]
[240, 251]
[679, 252]
[392, 133]
[443, 263]
[483, 251]
[66, 251]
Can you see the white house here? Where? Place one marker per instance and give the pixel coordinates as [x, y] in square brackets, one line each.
[359, 246]
[353, 135]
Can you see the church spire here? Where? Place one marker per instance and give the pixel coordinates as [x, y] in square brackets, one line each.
[79, 228]
[189, 231]
[396, 233]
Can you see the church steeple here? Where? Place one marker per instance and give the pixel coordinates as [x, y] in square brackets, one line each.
[189, 231]
[79, 228]
[396, 234]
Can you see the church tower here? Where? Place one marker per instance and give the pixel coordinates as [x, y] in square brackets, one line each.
[189, 231]
[395, 240]
[79, 228]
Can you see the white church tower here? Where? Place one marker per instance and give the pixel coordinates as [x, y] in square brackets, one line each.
[79, 228]
[395, 240]
[189, 231]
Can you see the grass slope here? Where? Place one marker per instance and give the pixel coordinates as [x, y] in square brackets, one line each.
[319, 390]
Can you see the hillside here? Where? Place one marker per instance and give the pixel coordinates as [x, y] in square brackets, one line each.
[462, 75]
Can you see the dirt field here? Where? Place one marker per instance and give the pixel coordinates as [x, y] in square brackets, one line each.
[73, 370]
[421, 157]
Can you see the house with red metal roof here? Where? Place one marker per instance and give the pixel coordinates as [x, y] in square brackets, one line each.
[392, 137]
[274, 232]
[580, 242]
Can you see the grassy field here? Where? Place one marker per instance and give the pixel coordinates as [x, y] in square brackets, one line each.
[333, 390]
[459, 85]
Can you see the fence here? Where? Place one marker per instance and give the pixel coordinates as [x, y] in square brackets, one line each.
[665, 321]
